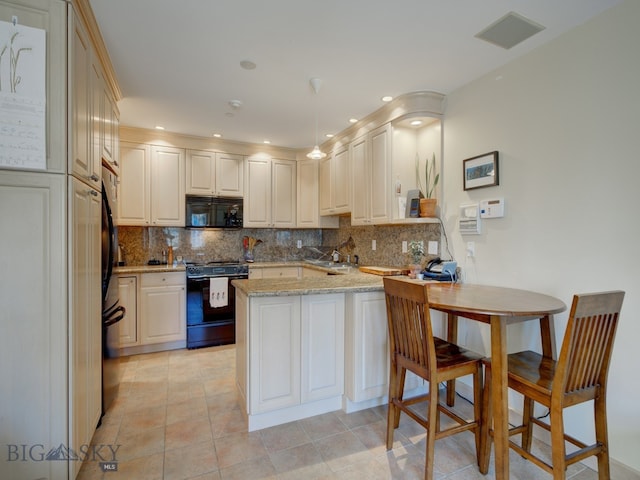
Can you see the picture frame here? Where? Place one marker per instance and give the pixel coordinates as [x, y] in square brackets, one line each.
[481, 171]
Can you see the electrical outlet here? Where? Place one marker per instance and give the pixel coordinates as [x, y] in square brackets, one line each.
[299, 244]
[404, 246]
[432, 248]
[373, 244]
[471, 249]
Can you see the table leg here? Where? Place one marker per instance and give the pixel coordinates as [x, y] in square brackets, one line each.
[499, 390]
[548, 336]
[452, 336]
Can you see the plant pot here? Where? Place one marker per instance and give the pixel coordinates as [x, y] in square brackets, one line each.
[414, 270]
[428, 207]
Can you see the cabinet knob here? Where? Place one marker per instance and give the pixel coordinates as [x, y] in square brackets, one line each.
[94, 178]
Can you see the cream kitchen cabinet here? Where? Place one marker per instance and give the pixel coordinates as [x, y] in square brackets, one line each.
[308, 206]
[270, 195]
[84, 80]
[109, 127]
[372, 192]
[85, 332]
[34, 329]
[152, 186]
[217, 174]
[134, 197]
[163, 308]
[290, 356]
[335, 182]
[128, 294]
[367, 352]
[273, 272]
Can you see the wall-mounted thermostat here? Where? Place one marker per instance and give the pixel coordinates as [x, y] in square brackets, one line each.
[492, 208]
[469, 221]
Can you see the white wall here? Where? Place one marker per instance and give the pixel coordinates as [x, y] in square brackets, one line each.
[565, 119]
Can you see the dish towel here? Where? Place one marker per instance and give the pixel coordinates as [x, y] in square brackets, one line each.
[218, 287]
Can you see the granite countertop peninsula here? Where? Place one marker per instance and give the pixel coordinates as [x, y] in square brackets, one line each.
[333, 282]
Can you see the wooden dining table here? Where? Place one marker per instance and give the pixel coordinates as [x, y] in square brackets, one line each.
[497, 307]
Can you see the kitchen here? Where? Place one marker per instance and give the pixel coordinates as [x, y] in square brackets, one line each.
[556, 235]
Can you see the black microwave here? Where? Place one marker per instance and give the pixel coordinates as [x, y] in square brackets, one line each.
[213, 212]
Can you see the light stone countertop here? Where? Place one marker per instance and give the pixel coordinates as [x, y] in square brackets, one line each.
[132, 269]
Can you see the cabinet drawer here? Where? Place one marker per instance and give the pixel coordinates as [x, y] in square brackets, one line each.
[162, 279]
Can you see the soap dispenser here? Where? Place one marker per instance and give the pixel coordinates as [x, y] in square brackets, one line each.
[336, 256]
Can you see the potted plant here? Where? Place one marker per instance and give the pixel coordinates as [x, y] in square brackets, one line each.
[429, 203]
[416, 252]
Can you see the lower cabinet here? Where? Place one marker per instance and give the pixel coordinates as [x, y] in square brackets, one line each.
[367, 352]
[156, 315]
[290, 356]
[274, 272]
[128, 294]
[163, 307]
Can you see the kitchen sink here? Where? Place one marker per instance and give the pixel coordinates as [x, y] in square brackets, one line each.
[341, 267]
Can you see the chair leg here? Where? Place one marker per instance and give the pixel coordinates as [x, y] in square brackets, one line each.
[477, 411]
[485, 424]
[432, 420]
[558, 447]
[527, 414]
[602, 437]
[391, 410]
[399, 393]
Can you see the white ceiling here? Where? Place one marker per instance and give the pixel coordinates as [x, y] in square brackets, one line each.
[178, 62]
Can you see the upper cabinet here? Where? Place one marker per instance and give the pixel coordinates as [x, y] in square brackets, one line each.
[371, 157]
[109, 130]
[335, 182]
[84, 79]
[270, 199]
[308, 211]
[151, 185]
[217, 174]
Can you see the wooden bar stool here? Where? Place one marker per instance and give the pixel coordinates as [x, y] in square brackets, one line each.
[414, 348]
[579, 375]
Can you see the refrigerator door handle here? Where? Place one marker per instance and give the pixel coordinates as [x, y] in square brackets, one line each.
[115, 316]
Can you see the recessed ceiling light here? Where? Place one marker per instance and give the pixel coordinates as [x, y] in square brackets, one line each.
[328, 135]
[387, 98]
[247, 64]
[217, 135]
[353, 120]
[158, 127]
[416, 123]
[267, 142]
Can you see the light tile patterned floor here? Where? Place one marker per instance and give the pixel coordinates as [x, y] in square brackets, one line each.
[177, 416]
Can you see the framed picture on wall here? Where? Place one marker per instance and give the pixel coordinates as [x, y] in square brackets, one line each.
[481, 171]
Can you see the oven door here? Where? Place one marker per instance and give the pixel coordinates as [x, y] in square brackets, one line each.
[199, 309]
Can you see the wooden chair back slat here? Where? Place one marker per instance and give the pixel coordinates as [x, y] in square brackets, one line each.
[584, 357]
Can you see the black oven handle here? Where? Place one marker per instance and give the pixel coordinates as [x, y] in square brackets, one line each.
[199, 278]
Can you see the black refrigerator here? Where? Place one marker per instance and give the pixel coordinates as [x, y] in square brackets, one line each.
[112, 311]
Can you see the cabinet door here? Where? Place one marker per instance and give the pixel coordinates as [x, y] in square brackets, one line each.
[380, 162]
[275, 353]
[163, 312]
[341, 178]
[167, 186]
[229, 175]
[283, 203]
[109, 126]
[360, 184]
[133, 199]
[83, 78]
[368, 347]
[85, 300]
[200, 172]
[127, 291]
[325, 184]
[322, 346]
[34, 328]
[257, 201]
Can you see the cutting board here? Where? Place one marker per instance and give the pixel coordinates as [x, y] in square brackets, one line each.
[384, 271]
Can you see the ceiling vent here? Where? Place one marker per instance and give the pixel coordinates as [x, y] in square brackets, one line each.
[509, 30]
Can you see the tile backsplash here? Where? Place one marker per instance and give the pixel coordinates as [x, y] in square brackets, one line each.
[142, 244]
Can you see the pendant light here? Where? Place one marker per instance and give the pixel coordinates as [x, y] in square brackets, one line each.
[316, 153]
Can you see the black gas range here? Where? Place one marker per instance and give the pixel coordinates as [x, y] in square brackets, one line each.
[211, 302]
